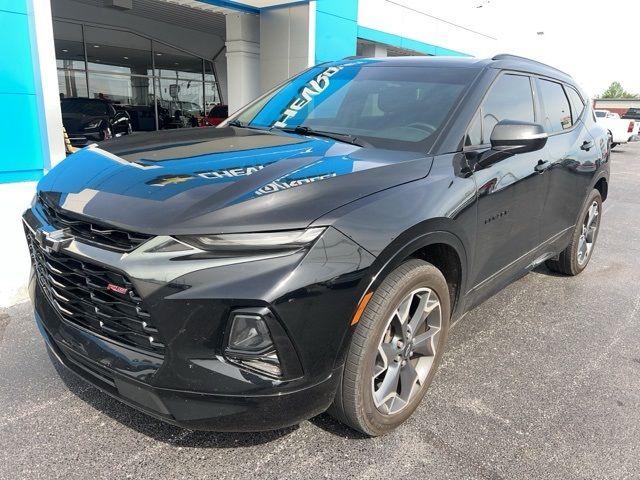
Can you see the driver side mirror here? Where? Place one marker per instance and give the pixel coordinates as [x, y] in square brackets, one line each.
[518, 137]
[510, 137]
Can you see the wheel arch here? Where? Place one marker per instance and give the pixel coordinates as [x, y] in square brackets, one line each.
[602, 185]
[437, 241]
[437, 245]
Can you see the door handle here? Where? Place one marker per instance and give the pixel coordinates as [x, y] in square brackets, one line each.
[541, 166]
[587, 145]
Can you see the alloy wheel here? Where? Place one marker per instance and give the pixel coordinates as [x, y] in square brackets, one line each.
[588, 234]
[406, 351]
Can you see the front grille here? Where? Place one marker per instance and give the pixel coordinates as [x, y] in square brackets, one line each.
[103, 235]
[86, 294]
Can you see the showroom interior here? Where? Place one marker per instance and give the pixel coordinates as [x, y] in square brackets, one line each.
[156, 60]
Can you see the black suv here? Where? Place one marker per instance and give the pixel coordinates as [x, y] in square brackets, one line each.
[93, 120]
[312, 251]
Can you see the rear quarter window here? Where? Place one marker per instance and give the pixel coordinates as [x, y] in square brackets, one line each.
[577, 104]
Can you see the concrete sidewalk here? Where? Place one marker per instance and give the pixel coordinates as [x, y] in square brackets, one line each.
[14, 256]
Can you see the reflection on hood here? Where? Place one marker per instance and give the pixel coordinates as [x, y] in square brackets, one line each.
[224, 177]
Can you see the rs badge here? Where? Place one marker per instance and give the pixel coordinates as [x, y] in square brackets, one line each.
[117, 288]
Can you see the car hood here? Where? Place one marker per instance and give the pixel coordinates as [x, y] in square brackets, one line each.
[212, 180]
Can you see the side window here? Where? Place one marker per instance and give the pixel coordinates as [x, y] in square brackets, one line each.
[577, 105]
[555, 105]
[510, 98]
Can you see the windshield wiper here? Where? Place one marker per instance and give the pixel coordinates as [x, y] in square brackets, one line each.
[341, 137]
[238, 124]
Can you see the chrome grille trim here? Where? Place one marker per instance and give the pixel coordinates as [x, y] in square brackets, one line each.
[78, 291]
[90, 231]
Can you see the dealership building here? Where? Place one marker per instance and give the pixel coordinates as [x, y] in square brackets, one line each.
[168, 62]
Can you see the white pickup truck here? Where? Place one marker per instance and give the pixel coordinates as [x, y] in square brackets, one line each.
[620, 131]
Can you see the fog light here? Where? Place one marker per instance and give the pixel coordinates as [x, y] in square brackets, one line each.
[251, 345]
[249, 333]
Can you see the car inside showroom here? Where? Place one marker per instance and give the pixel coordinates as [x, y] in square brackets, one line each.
[158, 85]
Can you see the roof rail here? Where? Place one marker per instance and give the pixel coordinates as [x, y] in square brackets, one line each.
[508, 56]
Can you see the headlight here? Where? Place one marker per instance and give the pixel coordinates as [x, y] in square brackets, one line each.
[92, 125]
[246, 243]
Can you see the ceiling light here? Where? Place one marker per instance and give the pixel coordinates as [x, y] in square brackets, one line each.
[96, 46]
[126, 58]
[158, 54]
[65, 50]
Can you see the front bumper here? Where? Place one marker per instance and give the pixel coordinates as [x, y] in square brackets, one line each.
[191, 383]
[194, 410]
[84, 138]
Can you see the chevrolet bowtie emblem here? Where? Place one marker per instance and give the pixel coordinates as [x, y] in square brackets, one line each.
[169, 180]
[53, 241]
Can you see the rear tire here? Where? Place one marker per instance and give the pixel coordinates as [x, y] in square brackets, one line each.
[395, 350]
[575, 258]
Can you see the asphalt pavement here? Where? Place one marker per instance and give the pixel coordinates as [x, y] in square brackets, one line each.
[541, 381]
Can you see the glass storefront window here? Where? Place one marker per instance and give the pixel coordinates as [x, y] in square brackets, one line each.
[211, 93]
[115, 51]
[179, 103]
[68, 45]
[72, 83]
[136, 74]
[171, 62]
[211, 96]
[131, 93]
[209, 74]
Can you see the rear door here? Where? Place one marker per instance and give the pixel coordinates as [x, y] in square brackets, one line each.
[571, 157]
[510, 192]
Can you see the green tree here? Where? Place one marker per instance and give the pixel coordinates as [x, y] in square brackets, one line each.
[615, 90]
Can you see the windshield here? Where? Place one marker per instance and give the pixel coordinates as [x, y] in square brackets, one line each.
[601, 114]
[86, 107]
[395, 107]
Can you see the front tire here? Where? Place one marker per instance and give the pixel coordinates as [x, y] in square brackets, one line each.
[575, 258]
[395, 350]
